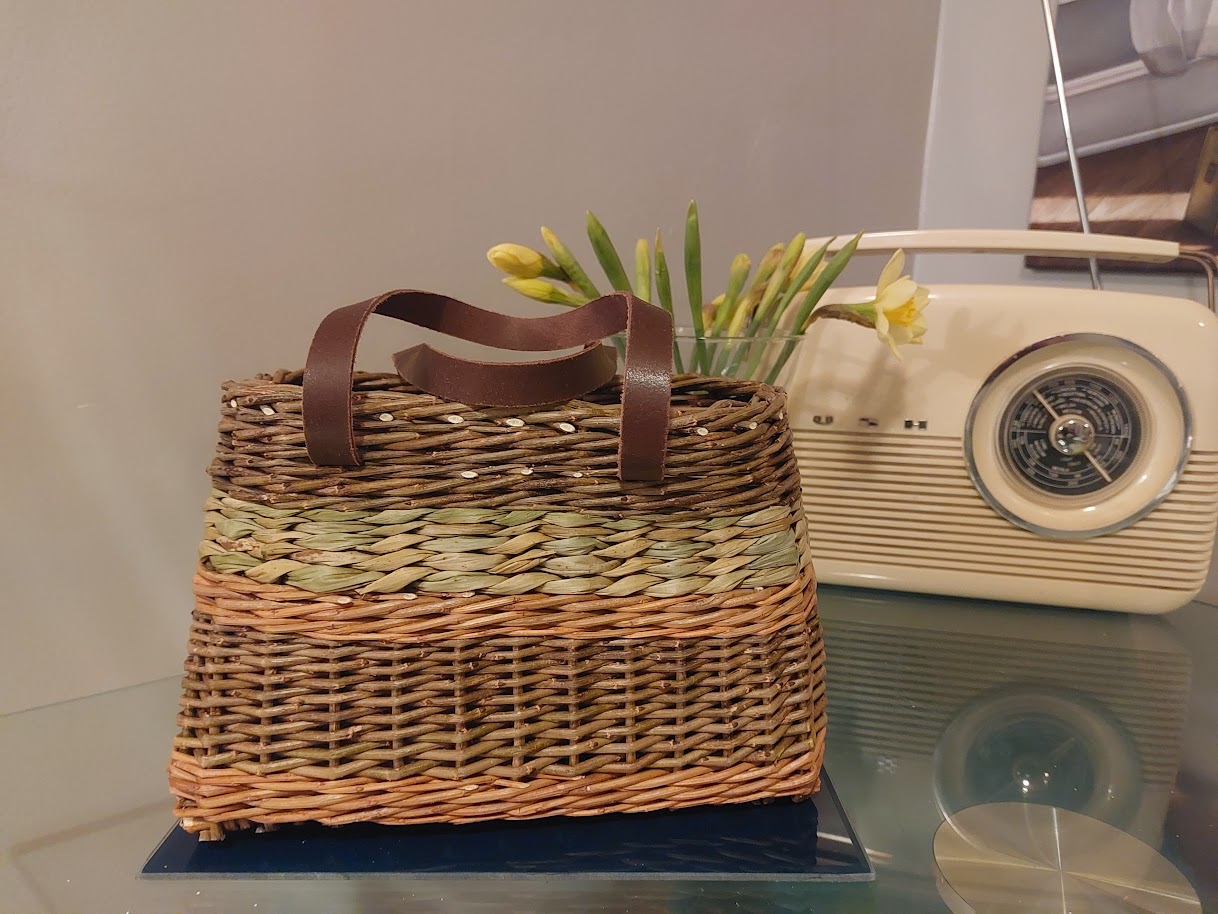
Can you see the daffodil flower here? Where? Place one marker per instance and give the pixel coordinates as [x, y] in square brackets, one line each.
[896, 310]
[782, 297]
[899, 303]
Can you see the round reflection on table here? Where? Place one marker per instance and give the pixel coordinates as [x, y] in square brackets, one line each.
[1031, 745]
[1002, 857]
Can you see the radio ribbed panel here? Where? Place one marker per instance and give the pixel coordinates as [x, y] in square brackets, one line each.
[908, 501]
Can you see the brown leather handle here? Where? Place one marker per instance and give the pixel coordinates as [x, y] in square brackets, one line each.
[328, 421]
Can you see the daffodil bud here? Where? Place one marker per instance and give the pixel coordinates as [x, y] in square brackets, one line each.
[540, 290]
[515, 260]
[524, 262]
[768, 264]
[778, 281]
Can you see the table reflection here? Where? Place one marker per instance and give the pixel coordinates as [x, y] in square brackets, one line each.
[939, 704]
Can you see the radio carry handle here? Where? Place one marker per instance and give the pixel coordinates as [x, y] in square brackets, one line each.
[1031, 242]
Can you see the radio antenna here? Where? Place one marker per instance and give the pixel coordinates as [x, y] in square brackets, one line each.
[1071, 153]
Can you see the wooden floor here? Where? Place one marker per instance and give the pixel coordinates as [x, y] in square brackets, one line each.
[1140, 190]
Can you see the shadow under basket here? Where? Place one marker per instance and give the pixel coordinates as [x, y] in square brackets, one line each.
[483, 621]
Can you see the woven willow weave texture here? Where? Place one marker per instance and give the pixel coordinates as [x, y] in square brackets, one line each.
[483, 621]
[451, 550]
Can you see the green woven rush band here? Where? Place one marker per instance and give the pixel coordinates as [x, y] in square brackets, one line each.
[501, 552]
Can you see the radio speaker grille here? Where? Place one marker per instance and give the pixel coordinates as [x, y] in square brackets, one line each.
[907, 501]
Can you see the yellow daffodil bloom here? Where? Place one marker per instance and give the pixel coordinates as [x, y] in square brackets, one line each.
[898, 306]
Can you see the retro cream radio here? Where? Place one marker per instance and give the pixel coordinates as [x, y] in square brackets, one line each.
[1045, 445]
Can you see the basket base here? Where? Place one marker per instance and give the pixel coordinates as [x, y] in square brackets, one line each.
[220, 801]
[779, 840]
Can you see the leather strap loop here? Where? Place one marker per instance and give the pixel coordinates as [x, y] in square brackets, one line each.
[328, 420]
[506, 383]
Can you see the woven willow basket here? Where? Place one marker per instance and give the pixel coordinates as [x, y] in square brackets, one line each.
[483, 620]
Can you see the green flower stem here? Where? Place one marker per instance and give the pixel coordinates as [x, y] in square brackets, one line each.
[693, 282]
[565, 259]
[851, 314]
[806, 307]
[607, 254]
[664, 293]
[642, 269]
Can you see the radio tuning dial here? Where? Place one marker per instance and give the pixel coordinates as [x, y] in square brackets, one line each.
[1073, 432]
[1077, 436]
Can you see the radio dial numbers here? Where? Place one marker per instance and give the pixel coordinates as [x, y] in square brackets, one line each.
[1072, 434]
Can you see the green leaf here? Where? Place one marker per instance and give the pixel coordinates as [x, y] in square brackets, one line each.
[607, 254]
[642, 269]
[663, 281]
[693, 265]
[693, 281]
[664, 293]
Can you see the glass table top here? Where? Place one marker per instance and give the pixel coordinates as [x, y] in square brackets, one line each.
[937, 707]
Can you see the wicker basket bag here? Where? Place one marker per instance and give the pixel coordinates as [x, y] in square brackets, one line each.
[583, 595]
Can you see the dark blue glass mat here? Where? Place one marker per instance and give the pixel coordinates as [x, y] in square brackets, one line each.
[781, 840]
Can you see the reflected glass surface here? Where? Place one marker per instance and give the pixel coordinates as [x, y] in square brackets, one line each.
[944, 706]
[1035, 858]
[937, 706]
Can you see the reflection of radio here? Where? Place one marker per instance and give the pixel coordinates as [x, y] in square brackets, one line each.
[1045, 445]
[940, 704]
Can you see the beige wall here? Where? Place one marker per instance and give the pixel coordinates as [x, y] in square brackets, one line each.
[186, 187]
